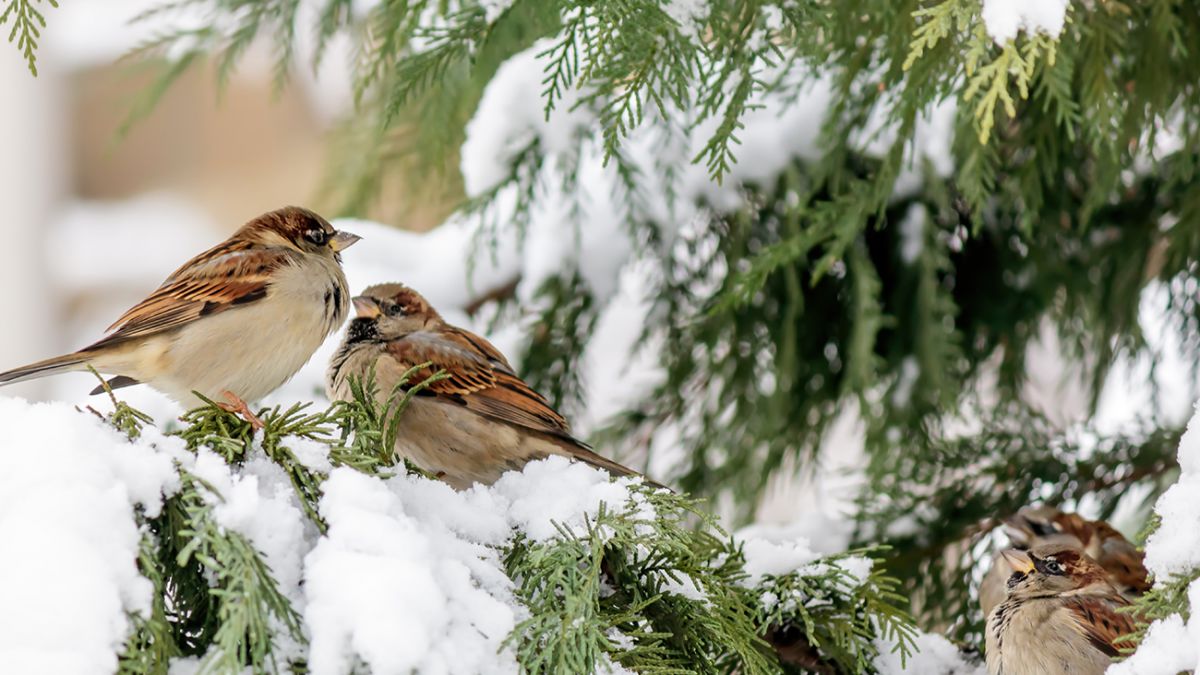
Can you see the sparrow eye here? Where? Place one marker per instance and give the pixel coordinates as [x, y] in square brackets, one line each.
[317, 236]
[394, 309]
[1053, 567]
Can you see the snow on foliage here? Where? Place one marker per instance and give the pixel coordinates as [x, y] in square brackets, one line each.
[69, 486]
[934, 655]
[403, 594]
[1173, 553]
[1005, 18]
[411, 557]
[408, 575]
[511, 120]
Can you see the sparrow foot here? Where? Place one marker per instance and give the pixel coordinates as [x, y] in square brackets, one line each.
[237, 406]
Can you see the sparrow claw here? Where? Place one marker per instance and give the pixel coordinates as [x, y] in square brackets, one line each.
[239, 407]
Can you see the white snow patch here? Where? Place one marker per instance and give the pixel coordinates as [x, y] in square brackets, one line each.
[1170, 645]
[1005, 18]
[912, 232]
[399, 593]
[686, 586]
[934, 655]
[686, 13]
[511, 115]
[557, 493]
[772, 550]
[1174, 549]
[414, 558]
[69, 485]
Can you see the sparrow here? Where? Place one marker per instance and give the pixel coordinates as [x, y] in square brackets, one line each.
[1036, 525]
[480, 421]
[1060, 615]
[235, 322]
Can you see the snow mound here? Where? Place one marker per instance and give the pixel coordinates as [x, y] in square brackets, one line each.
[408, 577]
[1005, 18]
[401, 594]
[1170, 645]
[69, 485]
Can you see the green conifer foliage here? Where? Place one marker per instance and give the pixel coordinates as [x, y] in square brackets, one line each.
[607, 595]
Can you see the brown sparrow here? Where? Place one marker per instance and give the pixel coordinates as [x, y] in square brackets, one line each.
[236, 321]
[471, 427]
[1059, 616]
[1037, 525]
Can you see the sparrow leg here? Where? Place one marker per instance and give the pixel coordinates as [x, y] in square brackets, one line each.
[240, 407]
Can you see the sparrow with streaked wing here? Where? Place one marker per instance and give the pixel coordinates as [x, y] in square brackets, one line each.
[1036, 525]
[235, 322]
[1060, 615]
[480, 421]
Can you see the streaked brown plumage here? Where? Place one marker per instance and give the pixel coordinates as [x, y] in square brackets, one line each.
[479, 422]
[1060, 615]
[240, 318]
[1038, 525]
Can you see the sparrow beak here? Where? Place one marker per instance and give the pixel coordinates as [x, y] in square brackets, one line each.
[366, 307]
[342, 241]
[1019, 561]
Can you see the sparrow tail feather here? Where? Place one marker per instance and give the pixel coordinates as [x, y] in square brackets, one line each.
[58, 364]
[600, 462]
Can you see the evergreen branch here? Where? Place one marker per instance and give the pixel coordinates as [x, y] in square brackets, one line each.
[836, 609]
[941, 21]
[447, 46]
[639, 621]
[151, 644]
[27, 24]
[123, 418]
[248, 601]
[1024, 461]
[1167, 598]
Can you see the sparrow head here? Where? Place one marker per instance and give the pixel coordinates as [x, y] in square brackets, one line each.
[387, 302]
[1036, 525]
[1052, 569]
[393, 310]
[298, 228]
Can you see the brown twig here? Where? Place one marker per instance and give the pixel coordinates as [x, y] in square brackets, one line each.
[502, 292]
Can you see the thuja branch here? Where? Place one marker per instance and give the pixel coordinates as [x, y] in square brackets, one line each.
[27, 25]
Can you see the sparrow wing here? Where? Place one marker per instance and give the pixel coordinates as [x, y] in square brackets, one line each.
[1100, 622]
[234, 273]
[1120, 558]
[477, 376]
[1125, 564]
[481, 379]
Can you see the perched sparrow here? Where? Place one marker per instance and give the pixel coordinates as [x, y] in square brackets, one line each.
[1037, 525]
[236, 321]
[471, 427]
[1060, 615]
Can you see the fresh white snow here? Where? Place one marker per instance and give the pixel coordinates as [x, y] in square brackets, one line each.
[935, 655]
[68, 568]
[1005, 18]
[408, 577]
[401, 593]
[1173, 645]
